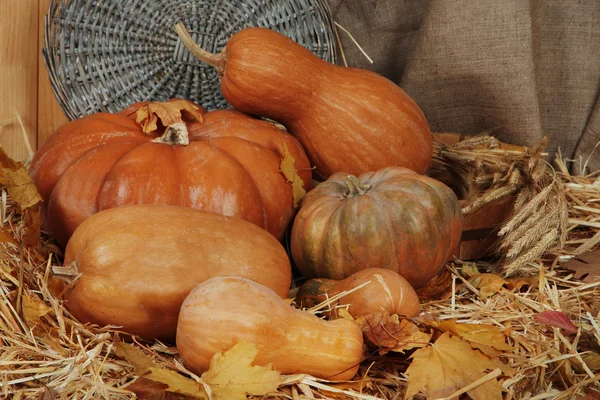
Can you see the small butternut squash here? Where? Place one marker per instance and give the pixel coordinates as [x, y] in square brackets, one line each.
[223, 311]
[348, 119]
[138, 263]
[385, 290]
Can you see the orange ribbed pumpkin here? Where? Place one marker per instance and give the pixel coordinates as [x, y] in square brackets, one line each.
[392, 218]
[221, 161]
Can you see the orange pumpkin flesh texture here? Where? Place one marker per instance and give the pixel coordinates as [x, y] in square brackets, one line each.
[385, 290]
[139, 262]
[223, 311]
[392, 218]
[231, 166]
[347, 119]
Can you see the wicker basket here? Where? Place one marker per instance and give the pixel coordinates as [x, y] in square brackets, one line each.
[103, 55]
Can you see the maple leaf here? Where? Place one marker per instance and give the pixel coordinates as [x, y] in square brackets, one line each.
[136, 356]
[487, 338]
[231, 375]
[389, 333]
[450, 364]
[488, 284]
[33, 309]
[177, 383]
[288, 168]
[557, 319]
[168, 113]
[439, 287]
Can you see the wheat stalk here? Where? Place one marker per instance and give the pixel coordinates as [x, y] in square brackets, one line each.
[532, 254]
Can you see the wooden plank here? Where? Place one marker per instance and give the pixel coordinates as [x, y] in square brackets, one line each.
[50, 115]
[18, 76]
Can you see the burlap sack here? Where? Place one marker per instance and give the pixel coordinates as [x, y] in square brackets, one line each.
[527, 68]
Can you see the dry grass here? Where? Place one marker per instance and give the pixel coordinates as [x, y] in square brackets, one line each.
[47, 354]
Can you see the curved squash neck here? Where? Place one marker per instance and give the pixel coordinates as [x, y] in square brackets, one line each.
[215, 60]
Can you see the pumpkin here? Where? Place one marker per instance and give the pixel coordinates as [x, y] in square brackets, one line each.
[136, 264]
[379, 290]
[172, 153]
[347, 119]
[392, 218]
[223, 311]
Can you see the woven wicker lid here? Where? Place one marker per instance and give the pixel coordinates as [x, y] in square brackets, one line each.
[103, 55]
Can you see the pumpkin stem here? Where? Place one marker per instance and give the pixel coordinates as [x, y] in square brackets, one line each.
[175, 134]
[66, 273]
[215, 60]
[355, 187]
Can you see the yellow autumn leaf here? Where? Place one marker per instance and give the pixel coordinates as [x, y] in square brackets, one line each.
[168, 113]
[231, 375]
[136, 356]
[488, 284]
[450, 364]
[343, 313]
[288, 168]
[33, 309]
[177, 383]
[487, 338]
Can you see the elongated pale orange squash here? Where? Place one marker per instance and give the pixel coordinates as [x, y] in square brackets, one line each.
[348, 119]
[223, 311]
[138, 263]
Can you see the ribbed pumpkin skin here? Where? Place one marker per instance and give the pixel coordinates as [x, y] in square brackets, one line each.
[223, 311]
[347, 119]
[139, 262]
[231, 167]
[405, 222]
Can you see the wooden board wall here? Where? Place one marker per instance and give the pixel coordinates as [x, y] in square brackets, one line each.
[29, 113]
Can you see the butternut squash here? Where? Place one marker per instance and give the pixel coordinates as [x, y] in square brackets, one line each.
[139, 262]
[223, 311]
[384, 290]
[347, 119]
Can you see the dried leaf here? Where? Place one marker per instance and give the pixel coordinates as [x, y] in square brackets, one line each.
[488, 284]
[343, 313]
[168, 113]
[439, 287]
[7, 162]
[150, 390]
[33, 223]
[288, 168]
[450, 364]
[557, 319]
[389, 333]
[231, 375]
[585, 266]
[487, 338]
[177, 383]
[470, 269]
[33, 310]
[6, 237]
[20, 187]
[517, 283]
[141, 361]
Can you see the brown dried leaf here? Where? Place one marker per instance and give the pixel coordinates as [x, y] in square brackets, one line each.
[487, 338]
[20, 187]
[288, 168]
[168, 113]
[33, 223]
[231, 375]
[6, 237]
[488, 284]
[150, 390]
[585, 266]
[389, 333]
[450, 364]
[177, 383]
[439, 287]
[33, 310]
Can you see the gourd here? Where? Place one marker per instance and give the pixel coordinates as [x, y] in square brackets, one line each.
[136, 264]
[221, 161]
[223, 311]
[384, 290]
[392, 218]
[347, 119]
